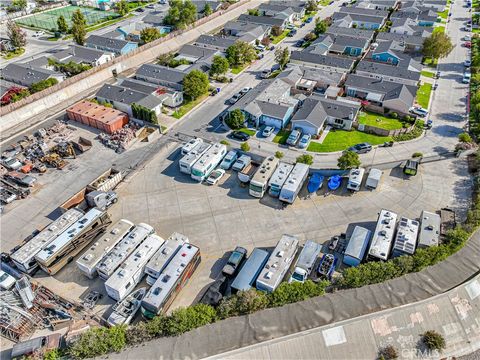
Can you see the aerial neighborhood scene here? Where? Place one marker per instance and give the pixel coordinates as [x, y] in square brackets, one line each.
[240, 179]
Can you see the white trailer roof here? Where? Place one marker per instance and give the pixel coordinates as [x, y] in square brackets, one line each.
[355, 247]
[46, 236]
[193, 156]
[166, 252]
[211, 155]
[429, 229]
[296, 177]
[265, 171]
[309, 254]
[383, 235]
[356, 175]
[280, 175]
[406, 239]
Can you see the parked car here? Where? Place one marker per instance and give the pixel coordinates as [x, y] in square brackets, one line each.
[234, 99]
[437, 75]
[292, 33]
[467, 44]
[294, 137]
[304, 141]
[150, 6]
[467, 63]
[245, 90]
[429, 124]
[299, 43]
[229, 160]
[239, 135]
[419, 111]
[234, 261]
[38, 34]
[215, 176]
[267, 131]
[11, 163]
[242, 162]
[139, 10]
[260, 47]
[309, 20]
[266, 74]
[361, 148]
[6, 281]
[466, 78]
[21, 179]
[467, 38]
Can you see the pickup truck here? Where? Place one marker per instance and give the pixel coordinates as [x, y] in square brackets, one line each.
[247, 173]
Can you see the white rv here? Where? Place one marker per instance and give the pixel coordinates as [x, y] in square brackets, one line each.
[110, 262]
[355, 179]
[278, 178]
[406, 239]
[294, 183]
[429, 230]
[24, 258]
[131, 272]
[278, 264]
[192, 157]
[306, 261]
[191, 145]
[99, 248]
[208, 162]
[259, 183]
[383, 236]
[373, 179]
[162, 257]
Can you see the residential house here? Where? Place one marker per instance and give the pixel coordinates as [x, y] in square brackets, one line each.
[220, 43]
[132, 31]
[26, 75]
[411, 43]
[264, 21]
[436, 5]
[171, 98]
[195, 54]
[387, 72]
[363, 11]
[333, 63]
[358, 21]
[407, 26]
[389, 51]
[247, 32]
[200, 5]
[122, 98]
[345, 31]
[385, 5]
[316, 112]
[269, 103]
[339, 45]
[82, 55]
[307, 80]
[116, 46]
[155, 20]
[282, 11]
[423, 18]
[390, 96]
[161, 75]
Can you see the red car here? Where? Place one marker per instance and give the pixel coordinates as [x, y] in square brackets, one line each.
[468, 44]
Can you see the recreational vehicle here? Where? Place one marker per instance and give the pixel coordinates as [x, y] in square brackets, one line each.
[383, 236]
[250, 270]
[278, 264]
[110, 262]
[99, 248]
[186, 163]
[131, 272]
[278, 178]
[208, 162]
[294, 183]
[373, 179]
[259, 182]
[356, 247]
[174, 277]
[306, 261]
[162, 257]
[406, 239]
[191, 146]
[429, 229]
[355, 178]
[64, 248]
[24, 258]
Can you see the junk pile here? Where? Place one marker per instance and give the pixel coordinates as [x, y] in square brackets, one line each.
[121, 139]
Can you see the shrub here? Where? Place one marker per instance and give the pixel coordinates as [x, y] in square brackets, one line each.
[225, 142]
[433, 340]
[242, 303]
[417, 154]
[389, 352]
[99, 341]
[235, 119]
[278, 154]
[189, 318]
[245, 147]
[465, 138]
[288, 293]
[394, 115]
[348, 160]
[305, 159]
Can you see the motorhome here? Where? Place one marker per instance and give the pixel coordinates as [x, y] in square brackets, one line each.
[306, 261]
[162, 257]
[373, 179]
[278, 264]
[355, 178]
[259, 183]
[131, 272]
[250, 270]
[406, 238]
[174, 277]
[99, 248]
[208, 162]
[278, 178]
[110, 262]
[65, 247]
[24, 258]
[429, 229]
[294, 183]
[382, 237]
[186, 163]
[191, 146]
[357, 246]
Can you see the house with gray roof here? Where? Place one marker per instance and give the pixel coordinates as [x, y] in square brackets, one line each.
[264, 20]
[339, 45]
[220, 43]
[345, 31]
[425, 17]
[171, 98]
[393, 52]
[269, 103]
[245, 31]
[161, 75]
[122, 98]
[387, 72]
[407, 26]
[82, 55]
[391, 96]
[116, 46]
[200, 5]
[363, 11]
[411, 43]
[335, 63]
[378, 4]
[282, 11]
[435, 5]
[307, 80]
[194, 53]
[315, 112]
[358, 21]
[27, 75]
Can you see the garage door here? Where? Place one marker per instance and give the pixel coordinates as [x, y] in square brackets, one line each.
[306, 129]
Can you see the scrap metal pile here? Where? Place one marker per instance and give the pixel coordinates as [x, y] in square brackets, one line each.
[120, 139]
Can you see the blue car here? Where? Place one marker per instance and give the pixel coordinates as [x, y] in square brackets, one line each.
[309, 20]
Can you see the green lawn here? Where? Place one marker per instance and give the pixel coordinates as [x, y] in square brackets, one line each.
[379, 121]
[12, 54]
[238, 69]
[427, 74]
[324, 2]
[187, 106]
[423, 95]
[439, 29]
[281, 137]
[247, 131]
[340, 140]
[444, 14]
[430, 63]
[277, 39]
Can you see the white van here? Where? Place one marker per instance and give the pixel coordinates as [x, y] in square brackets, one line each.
[373, 178]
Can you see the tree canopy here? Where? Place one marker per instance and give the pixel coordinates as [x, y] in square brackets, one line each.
[282, 56]
[240, 53]
[348, 160]
[220, 65]
[149, 34]
[79, 30]
[17, 36]
[122, 7]
[235, 119]
[62, 25]
[195, 84]
[437, 46]
[321, 26]
[181, 13]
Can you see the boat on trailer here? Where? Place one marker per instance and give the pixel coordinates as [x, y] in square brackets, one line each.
[334, 182]
[125, 310]
[315, 182]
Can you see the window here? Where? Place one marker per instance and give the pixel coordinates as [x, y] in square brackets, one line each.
[339, 121]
